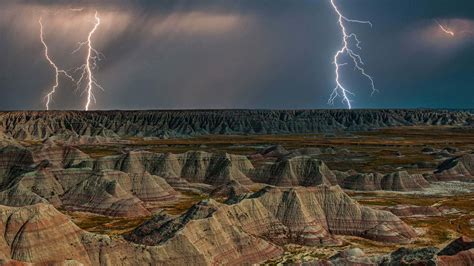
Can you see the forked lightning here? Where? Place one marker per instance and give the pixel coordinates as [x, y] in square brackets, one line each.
[49, 96]
[445, 29]
[92, 56]
[349, 39]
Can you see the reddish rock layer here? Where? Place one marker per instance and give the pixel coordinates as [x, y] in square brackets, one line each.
[310, 216]
[458, 168]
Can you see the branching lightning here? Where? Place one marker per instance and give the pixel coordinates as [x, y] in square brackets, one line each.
[49, 96]
[349, 39]
[445, 29]
[86, 70]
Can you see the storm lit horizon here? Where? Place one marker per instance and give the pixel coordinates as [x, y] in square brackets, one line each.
[235, 55]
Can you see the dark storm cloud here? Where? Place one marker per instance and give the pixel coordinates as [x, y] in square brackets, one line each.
[238, 54]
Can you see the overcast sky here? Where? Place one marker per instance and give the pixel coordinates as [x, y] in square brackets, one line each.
[238, 53]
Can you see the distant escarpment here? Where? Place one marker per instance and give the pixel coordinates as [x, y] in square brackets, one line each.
[109, 124]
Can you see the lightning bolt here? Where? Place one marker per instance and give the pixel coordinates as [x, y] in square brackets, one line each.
[348, 40]
[92, 57]
[445, 29]
[49, 96]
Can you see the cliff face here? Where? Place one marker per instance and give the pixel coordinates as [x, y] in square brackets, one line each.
[109, 124]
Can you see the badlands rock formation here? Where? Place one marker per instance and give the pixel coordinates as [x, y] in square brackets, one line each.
[229, 190]
[296, 171]
[398, 181]
[274, 151]
[414, 211]
[461, 253]
[106, 192]
[245, 232]
[14, 161]
[192, 166]
[6, 140]
[309, 216]
[220, 170]
[58, 156]
[122, 185]
[112, 124]
[60, 176]
[458, 168]
[41, 234]
[458, 252]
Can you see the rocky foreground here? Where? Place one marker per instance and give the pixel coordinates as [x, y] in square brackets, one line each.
[247, 230]
[110, 124]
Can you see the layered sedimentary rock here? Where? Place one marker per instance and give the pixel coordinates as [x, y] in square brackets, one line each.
[18, 195]
[219, 169]
[274, 151]
[402, 181]
[116, 193]
[309, 216]
[42, 183]
[458, 168]
[41, 125]
[350, 257]
[106, 192]
[308, 171]
[296, 171]
[41, 234]
[229, 190]
[406, 256]
[461, 244]
[6, 140]
[363, 182]
[414, 211]
[62, 156]
[245, 232]
[102, 193]
[458, 252]
[14, 161]
[193, 166]
[61, 176]
[398, 181]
